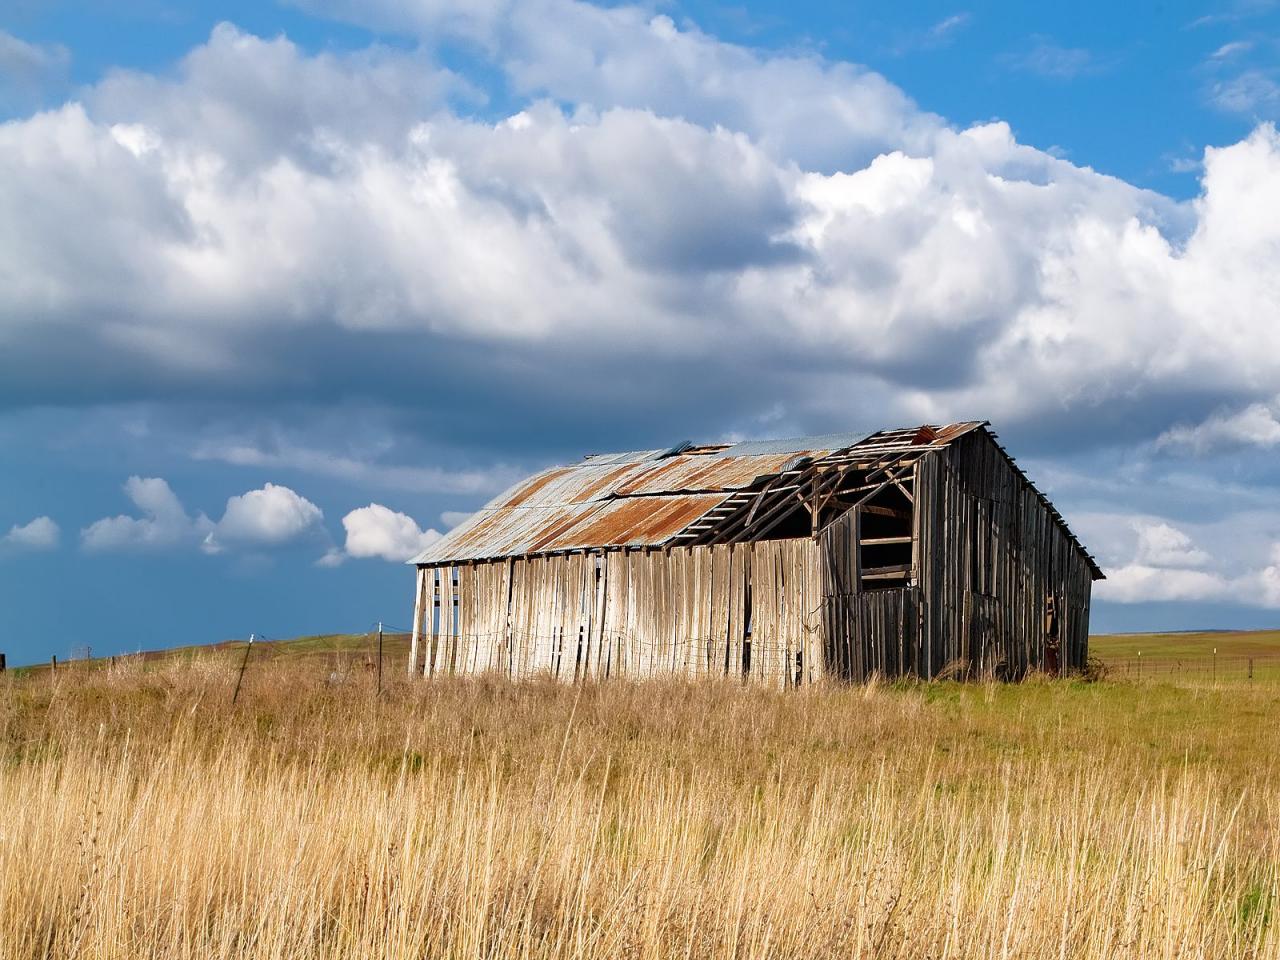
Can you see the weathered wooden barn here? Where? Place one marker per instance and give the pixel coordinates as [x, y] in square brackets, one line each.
[919, 551]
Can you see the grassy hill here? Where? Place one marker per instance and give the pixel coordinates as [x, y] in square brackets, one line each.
[345, 648]
[1190, 646]
[361, 648]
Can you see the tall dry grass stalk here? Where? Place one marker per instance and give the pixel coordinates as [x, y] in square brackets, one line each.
[142, 816]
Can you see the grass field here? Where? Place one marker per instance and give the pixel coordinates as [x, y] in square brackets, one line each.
[1244, 655]
[1192, 645]
[1190, 648]
[142, 815]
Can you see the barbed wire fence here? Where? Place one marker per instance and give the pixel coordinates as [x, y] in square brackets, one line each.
[1263, 666]
[369, 648]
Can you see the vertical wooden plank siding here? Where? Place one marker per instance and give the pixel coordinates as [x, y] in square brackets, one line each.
[420, 588]
[991, 554]
[436, 619]
[637, 613]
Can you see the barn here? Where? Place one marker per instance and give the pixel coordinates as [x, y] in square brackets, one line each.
[922, 551]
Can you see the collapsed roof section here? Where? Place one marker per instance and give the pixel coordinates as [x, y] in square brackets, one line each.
[686, 495]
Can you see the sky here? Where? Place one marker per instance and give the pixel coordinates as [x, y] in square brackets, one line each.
[287, 290]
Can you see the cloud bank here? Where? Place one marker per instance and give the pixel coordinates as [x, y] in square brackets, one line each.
[268, 517]
[163, 523]
[182, 230]
[655, 228]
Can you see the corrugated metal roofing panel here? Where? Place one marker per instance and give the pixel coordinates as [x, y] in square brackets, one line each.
[580, 483]
[630, 456]
[534, 491]
[682, 474]
[504, 532]
[824, 443]
[633, 522]
[624, 522]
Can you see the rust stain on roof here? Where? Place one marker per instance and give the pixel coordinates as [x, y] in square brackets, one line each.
[639, 502]
[603, 484]
[682, 474]
[507, 531]
[638, 521]
[622, 522]
[530, 487]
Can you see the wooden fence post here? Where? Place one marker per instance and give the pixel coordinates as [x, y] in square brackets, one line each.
[379, 658]
[53, 663]
[243, 663]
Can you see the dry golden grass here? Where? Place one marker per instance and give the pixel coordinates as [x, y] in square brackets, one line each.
[141, 815]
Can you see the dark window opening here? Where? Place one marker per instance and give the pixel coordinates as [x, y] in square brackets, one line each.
[885, 542]
[797, 523]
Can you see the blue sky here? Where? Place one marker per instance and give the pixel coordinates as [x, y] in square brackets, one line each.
[322, 277]
[1132, 91]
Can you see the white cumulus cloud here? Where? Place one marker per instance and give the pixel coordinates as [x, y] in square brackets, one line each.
[1255, 425]
[1238, 562]
[1140, 583]
[42, 533]
[268, 516]
[1161, 544]
[164, 521]
[926, 270]
[378, 531]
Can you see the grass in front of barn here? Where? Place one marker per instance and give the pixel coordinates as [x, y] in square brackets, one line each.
[340, 650]
[141, 815]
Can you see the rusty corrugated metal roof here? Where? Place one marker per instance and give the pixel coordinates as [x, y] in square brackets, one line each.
[635, 521]
[793, 445]
[684, 474]
[681, 473]
[622, 522]
[642, 498]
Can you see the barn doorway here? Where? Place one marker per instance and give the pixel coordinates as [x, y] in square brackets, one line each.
[1052, 637]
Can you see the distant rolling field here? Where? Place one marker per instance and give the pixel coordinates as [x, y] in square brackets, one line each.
[357, 648]
[1188, 646]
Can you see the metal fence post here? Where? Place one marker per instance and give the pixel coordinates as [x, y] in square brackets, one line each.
[243, 663]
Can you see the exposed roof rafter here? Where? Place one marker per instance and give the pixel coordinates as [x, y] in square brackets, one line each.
[686, 495]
